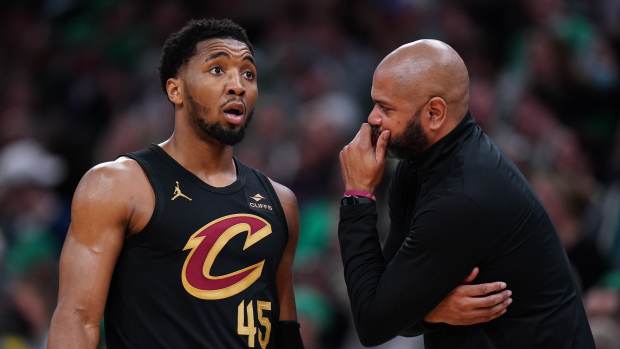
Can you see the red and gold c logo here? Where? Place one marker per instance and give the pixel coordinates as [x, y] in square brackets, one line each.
[206, 243]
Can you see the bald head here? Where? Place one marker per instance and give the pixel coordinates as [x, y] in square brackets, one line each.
[429, 68]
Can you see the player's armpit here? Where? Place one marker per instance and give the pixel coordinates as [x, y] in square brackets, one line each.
[100, 213]
[284, 278]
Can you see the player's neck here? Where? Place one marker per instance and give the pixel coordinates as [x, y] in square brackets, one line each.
[210, 161]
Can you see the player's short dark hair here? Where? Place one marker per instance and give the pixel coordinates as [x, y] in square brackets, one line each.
[181, 46]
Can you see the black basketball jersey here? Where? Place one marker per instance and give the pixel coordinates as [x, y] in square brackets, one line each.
[202, 273]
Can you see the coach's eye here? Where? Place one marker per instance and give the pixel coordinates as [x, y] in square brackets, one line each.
[383, 108]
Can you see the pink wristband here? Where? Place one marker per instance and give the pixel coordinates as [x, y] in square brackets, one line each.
[360, 193]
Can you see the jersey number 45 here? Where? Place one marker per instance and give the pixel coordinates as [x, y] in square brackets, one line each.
[250, 330]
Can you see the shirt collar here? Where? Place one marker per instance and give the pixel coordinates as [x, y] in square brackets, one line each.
[432, 156]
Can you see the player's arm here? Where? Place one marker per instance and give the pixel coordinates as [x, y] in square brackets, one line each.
[100, 214]
[287, 332]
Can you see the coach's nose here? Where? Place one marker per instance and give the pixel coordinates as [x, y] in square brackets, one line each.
[374, 118]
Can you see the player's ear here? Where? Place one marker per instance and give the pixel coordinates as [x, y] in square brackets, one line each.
[437, 111]
[174, 89]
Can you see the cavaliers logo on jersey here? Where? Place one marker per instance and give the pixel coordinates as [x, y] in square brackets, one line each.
[205, 245]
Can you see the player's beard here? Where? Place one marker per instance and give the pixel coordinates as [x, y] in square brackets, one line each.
[412, 142]
[215, 130]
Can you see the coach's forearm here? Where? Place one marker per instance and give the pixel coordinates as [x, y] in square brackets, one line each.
[364, 266]
[69, 330]
[388, 298]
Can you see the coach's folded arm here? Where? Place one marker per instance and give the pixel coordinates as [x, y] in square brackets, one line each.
[393, 297]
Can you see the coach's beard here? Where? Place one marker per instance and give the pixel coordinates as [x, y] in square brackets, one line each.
[411, 143]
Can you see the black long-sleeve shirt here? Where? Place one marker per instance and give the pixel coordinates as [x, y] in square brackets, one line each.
[462, 204]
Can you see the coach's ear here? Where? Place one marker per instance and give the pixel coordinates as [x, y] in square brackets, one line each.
[174, 91]
[437, 111]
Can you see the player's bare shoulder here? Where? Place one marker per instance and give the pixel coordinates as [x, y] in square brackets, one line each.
[120, 189]
[289, 205]
[287, 196]
[111, 180]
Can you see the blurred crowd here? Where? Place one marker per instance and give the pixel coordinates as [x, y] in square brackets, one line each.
[82, 88]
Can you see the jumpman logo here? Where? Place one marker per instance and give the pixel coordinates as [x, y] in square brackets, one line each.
[177, 193]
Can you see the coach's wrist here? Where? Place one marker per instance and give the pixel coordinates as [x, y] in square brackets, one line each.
[368, 186]
[360, 194]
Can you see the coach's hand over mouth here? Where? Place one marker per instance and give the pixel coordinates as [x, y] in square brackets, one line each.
[362, 164]
[472, 304]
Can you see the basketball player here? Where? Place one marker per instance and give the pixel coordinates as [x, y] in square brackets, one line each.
[191, 248]
[182, 245]
[456, 202]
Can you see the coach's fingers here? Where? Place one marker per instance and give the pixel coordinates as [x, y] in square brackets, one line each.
[381, 146]
[472, 275]
[362, 136]
[491, 300]
[365, 135]
[482, 289]
[482, 320]
[486, 315]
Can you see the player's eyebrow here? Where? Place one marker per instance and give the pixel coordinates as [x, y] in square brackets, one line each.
[249, 58]
[215, 55]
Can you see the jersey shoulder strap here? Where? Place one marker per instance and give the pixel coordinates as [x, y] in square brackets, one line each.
[158, 176]
[266, 184]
